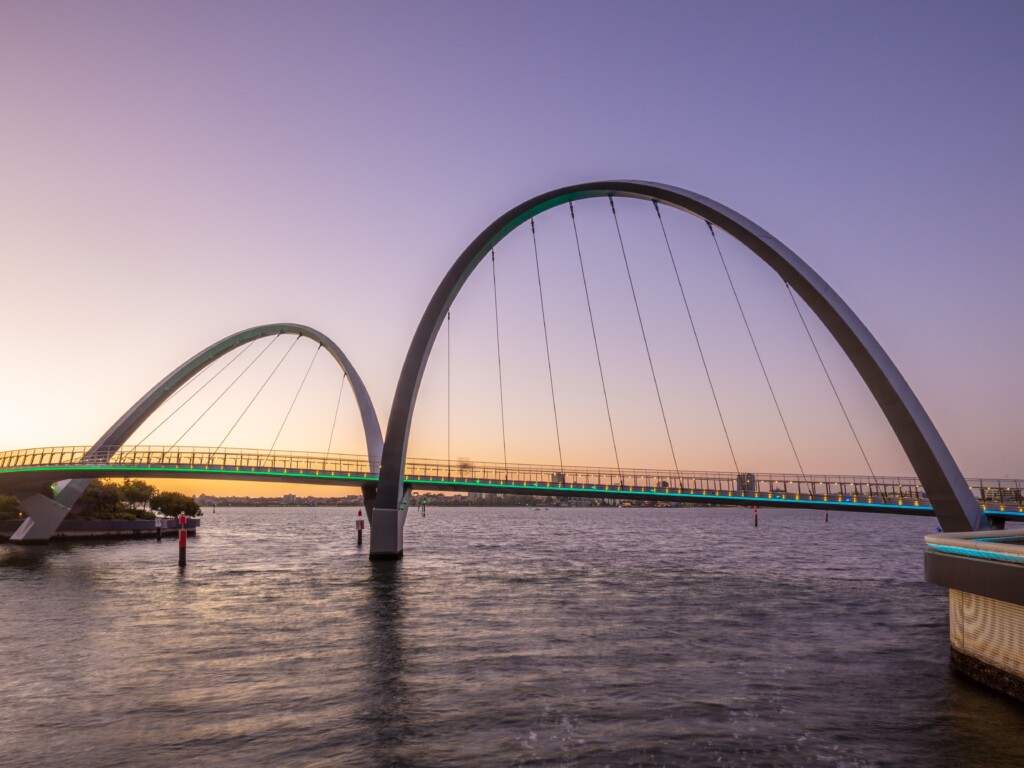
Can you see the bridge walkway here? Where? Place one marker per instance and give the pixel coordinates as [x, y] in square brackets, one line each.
[903, 495]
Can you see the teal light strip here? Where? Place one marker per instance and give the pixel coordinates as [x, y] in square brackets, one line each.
[670, 496]
[1003, 540]
[998, 513]
[984, 554]
[493, 486]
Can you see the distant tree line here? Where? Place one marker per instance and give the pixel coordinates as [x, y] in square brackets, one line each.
[128, 500]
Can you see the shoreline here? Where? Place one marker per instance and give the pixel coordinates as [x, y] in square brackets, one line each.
[105, 529]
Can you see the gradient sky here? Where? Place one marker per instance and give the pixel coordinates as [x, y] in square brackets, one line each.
[175, 172]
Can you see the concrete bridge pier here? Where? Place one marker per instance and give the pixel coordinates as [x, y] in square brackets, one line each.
[386, 534]
[387, 526]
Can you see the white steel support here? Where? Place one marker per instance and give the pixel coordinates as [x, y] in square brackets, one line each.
[43, 516]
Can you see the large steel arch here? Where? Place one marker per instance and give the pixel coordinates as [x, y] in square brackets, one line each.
[35, 528]
[133, 418]
[954, 504]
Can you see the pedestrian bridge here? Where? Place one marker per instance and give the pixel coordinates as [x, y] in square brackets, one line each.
[49, 481]
[1000, 499]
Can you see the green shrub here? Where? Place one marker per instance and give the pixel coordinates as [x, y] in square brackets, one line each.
[9, 509]
[99, 501]
[173, 504]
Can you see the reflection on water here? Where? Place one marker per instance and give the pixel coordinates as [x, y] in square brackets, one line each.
[25, 558]
[386, 717]
[506, 637]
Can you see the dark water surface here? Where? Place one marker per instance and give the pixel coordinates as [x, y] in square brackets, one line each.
[505, 637]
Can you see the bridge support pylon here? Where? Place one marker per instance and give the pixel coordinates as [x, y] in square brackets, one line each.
[386, 534]
[387, 530]
[43, 516]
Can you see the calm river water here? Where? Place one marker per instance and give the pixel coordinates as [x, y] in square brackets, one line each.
[576, 637]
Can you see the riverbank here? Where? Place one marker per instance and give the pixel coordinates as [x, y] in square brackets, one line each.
[108, 529]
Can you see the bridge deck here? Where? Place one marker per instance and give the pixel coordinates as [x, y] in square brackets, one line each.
[42, 466]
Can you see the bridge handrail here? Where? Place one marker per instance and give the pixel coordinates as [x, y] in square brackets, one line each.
[148, 455]
[625, 471]
[468, 468]
[489, 472]
[896, 486]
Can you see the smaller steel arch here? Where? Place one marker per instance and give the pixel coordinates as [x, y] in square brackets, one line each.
[954, 504]
[133, 418]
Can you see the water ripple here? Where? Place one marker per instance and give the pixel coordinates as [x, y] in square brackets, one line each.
[506, 637]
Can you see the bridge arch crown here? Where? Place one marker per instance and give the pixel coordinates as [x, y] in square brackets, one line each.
[954, 504]
[134, 417]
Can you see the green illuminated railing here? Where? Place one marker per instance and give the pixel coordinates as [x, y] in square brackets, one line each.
[182, 457]
[712, 482]
[994, 495]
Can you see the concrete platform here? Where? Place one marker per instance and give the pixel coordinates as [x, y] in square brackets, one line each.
[984, 572]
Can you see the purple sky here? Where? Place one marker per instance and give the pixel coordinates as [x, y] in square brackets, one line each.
[172, 173]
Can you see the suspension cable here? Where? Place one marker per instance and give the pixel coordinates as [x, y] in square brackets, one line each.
[643, 333]
[297, 393]
[593, 330]
[828, 376]
[696, 337]
[337, 407]
[228, 389]
[757, 352]
[186, 402]
[547, 347]
[448, 361]
[253, 400]
[497, 337]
